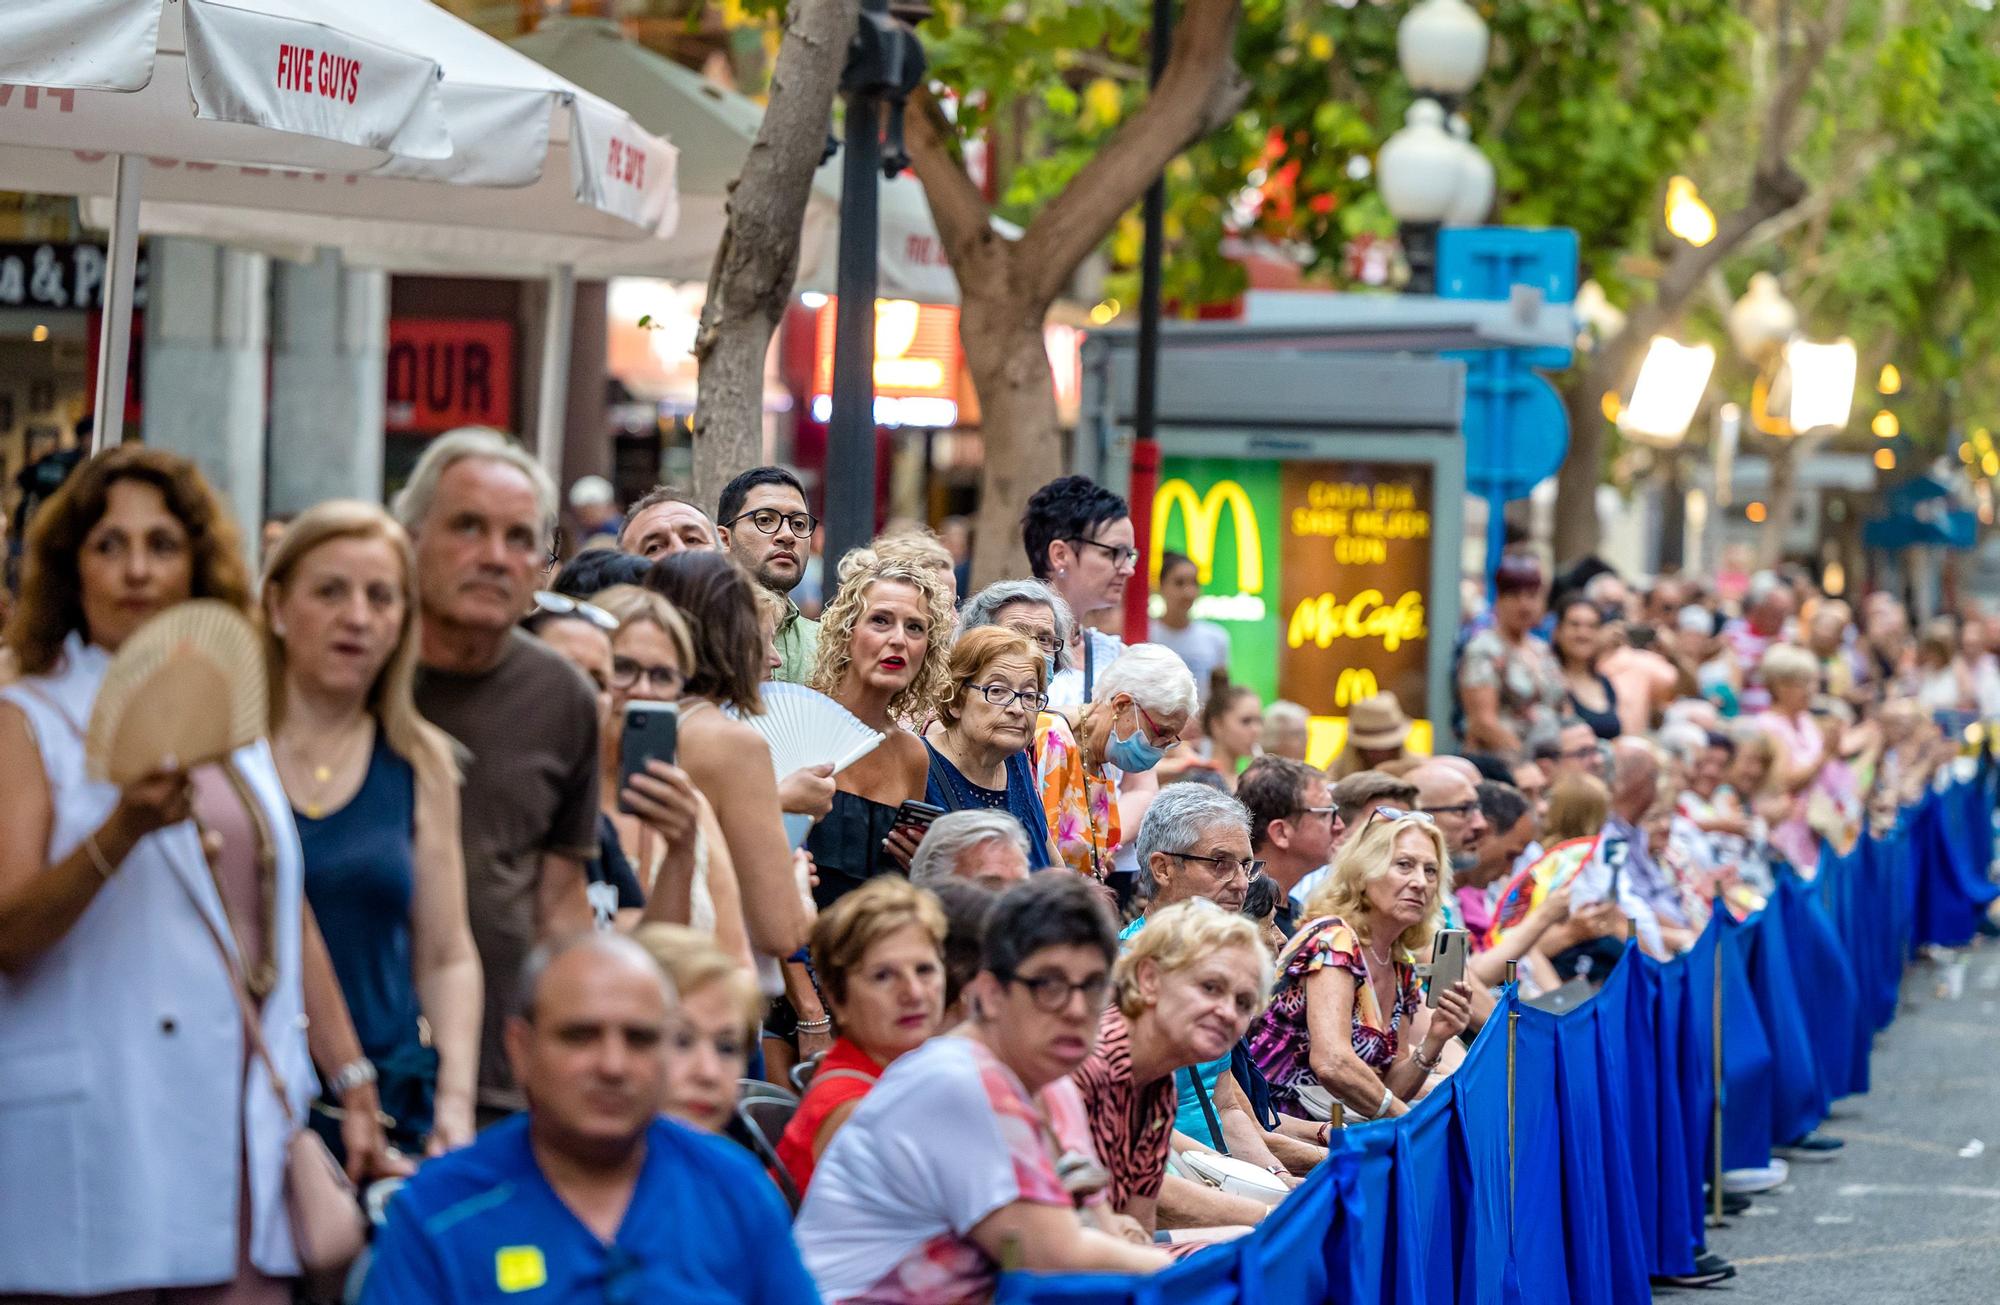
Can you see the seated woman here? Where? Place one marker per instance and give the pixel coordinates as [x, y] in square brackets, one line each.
[996, 685]
[708, 1050]
[1187, 989]
[884, 643]
[878, 958]
[1348, 1014]
[975, 1148]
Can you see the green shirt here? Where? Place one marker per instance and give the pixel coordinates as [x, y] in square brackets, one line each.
[798, 644]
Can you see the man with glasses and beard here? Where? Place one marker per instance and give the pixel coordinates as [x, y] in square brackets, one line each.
[765, 526]
[1294, 825]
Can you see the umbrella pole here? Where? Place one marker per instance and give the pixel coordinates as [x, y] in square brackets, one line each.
[552, 398]
[114, 348]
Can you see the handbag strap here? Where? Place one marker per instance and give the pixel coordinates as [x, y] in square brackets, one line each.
[1207, 1108]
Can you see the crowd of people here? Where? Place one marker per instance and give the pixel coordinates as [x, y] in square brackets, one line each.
[1076, 968]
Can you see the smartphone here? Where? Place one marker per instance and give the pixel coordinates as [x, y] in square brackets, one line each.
[1448, 950]
[917, 816]
[651, 729]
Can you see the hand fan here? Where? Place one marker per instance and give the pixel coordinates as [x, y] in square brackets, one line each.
[187, 685]
[807, 728]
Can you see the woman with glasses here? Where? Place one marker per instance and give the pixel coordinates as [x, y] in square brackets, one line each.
[1026, 607]
[986, 722]
[374, 791]
[1347, 1016]
[884, 643]
[879, 957]
[1080, 543]
[975, 1149]
[1143, 703]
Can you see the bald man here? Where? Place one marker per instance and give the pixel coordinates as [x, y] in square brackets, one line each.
[1635, 788]
[1451, 798]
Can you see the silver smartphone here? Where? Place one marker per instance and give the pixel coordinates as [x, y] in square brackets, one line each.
[1448, 952]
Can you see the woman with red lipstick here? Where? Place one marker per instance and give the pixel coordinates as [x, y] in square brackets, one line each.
[374, 788]
[884, 645]
[879, 957]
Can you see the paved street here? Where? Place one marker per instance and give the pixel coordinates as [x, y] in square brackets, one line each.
[1910, 1211]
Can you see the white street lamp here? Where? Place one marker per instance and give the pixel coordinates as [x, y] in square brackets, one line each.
[1763, 320]
[1822, 384]
[1441, 45]
[1671, 383]
[1473, 199]
[1419, 171]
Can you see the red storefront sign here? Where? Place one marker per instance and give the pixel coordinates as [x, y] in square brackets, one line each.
[450, 371]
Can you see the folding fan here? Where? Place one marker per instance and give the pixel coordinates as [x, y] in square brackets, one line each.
[807, 728]
[187, 685]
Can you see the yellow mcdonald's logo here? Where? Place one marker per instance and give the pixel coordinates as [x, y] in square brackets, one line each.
[1203, 515]
[1354, 684]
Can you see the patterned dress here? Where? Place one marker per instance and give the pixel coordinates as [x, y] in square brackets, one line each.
[1130, 1122]
[1281, 1040]
[1082, 807]
[1529, 679]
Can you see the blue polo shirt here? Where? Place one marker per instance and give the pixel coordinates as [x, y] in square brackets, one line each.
[483, 1225]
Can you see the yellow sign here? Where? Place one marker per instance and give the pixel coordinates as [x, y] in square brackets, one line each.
[1353, 684]
[1368, 615]
[1326, 738]
[1203, 516]
[520, 1268]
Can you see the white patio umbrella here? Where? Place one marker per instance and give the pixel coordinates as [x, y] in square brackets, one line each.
[98, 85]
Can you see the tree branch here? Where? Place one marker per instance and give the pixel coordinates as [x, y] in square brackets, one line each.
[1789, 96]
[960, 211]
[1200, 89]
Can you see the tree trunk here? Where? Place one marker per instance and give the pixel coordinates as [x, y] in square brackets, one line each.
[1019, 423]
[1577, 531]
[1778, 511]
[750, 285]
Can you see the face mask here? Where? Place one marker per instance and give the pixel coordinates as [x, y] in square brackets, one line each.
[1133, 752]
[1050, 660]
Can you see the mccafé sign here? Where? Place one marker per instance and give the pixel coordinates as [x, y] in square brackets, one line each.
[1320, 571]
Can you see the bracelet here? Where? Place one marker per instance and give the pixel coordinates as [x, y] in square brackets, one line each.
[1382, 1109]
[1326, 1134]
[103, 867]
[354, 1074]
[1428, 1066]
[1277, 1171]
[824, 1024]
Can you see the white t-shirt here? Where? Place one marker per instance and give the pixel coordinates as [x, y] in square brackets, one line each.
[1066, 689]
[1204, 645]
[948, 1136]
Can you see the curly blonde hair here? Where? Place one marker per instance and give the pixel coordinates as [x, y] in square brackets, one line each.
[1364, 858]
[1179, 935]
[860, 571]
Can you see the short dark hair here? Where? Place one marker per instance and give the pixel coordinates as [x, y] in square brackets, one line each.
[1503, 805]
[1723, 741]
[1049, 910]
[596, 569]
[1489, 766]
[1170, 561]
[1274, 788]
[730, 505]
[1071, 507]
[719, 600]
[968, 905]
[1365, 786]
[1260, 898]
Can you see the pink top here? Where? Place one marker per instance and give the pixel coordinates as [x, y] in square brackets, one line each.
[220, 811]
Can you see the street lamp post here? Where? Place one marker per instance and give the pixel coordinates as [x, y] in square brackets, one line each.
[1431, 175]
[884, 64]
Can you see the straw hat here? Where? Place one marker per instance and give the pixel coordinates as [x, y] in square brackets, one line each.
[1377, 722]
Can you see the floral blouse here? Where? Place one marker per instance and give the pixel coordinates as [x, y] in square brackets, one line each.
[1280, 1040]
[1529, 678]
[1082, 807]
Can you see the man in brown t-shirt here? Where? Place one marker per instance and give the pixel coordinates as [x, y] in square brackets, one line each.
[478, 509]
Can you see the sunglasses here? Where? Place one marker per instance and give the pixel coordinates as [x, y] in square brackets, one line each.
[1397, 813]
[555, 604]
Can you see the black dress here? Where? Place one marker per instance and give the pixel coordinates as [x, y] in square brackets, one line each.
[1605, 723]
[846, 846]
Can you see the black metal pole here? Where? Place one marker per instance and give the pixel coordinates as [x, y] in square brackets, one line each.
[850, 436]
[1145, 406]
[1673, 510]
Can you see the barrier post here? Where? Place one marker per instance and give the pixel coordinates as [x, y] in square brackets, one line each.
[1513, 1022]
[1715, 1123]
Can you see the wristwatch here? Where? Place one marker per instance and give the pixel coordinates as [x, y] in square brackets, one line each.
[350, 1076]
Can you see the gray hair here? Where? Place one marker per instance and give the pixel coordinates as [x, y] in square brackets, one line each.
[1154, 675]
[413, 502]
[608, 943]
[983, 608]
[955, 833]
[1177, 819]
[1284, 712]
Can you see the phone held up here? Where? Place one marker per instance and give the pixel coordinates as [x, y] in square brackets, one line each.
[1448, 952]
[651, 730]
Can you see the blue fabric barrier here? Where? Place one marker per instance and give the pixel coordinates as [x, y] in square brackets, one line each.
[1613, 1129]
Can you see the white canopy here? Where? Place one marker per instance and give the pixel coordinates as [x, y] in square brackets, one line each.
[714, 129]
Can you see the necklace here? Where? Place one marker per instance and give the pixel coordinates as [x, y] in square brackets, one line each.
[332, 764]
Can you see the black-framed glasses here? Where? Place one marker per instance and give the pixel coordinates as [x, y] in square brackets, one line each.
[767, 521]
[555, 604]
[1590, 753]
[1001, 696]
[554, 560]
[1121, 554]
[1329, 811]
[626, 674]
[1228, 865]
[1051, 992]
[1043, 639]
[1455, 809]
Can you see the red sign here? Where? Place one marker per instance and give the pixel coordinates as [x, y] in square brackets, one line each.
[450, 371]
[318, 72]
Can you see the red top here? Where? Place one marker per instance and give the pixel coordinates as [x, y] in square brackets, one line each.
[826, 1093]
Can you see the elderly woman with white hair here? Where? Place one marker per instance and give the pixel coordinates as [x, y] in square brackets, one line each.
[985, 847]
[1347, 1015]
[1798, 745]
[1142, 703]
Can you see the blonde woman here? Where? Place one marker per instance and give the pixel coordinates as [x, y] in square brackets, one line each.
[1348, 1013]
[708, 1050]
[1186, 989]
[884, 645]
[374, 789]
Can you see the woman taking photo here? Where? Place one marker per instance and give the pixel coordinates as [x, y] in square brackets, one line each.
[1579, 645]
[120, 1023]
[975, 1148]
[1203, 645]
[1348, 1013]
[1187, 989]
[716, 1018]
[884, 643]
[986, 723]
[1143, 703]
[878, 954]
[374, 789]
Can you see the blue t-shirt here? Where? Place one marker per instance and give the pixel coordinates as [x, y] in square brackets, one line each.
[1189, 1117]
[705, 1227]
